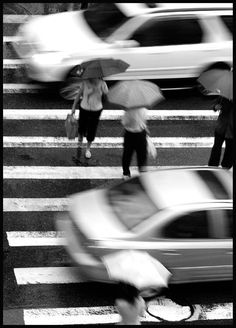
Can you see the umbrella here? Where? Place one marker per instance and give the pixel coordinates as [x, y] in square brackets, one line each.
[219, 81]
[134, 94]
[137, 268]
[99, 67]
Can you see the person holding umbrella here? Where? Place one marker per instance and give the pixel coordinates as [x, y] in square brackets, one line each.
[135, 96]
[91, 92]
[220, 82]
[130, 305]
[223, 132]
[136, 273]
[90, 88]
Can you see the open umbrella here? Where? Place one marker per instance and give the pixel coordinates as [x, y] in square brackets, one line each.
[100, 67]
[219, 81]
[137, 268]
[134, 94]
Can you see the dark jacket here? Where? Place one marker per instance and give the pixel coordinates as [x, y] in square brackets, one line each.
[224, 125]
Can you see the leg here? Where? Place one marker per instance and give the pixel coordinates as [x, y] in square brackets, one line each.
[227, 161]
[141, 150]
[127, 153]
[83, 124]
[93, 124]
[92, 129]
[216, 150]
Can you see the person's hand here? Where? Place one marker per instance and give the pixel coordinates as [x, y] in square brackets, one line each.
[217, 107]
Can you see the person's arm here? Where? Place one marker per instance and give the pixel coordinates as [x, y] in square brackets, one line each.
[77, 98]
[104, 88]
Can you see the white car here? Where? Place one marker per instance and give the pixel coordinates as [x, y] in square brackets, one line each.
[160, 43]
[182, 217]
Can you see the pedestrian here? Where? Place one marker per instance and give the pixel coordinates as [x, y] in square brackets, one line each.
[135, 139]
[129, 303]
[223, 132]
[91, 92]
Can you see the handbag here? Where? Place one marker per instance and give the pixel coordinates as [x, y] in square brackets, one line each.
[71, 126]
[151, 150]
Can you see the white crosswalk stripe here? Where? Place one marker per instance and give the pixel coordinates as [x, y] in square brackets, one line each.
[35, 238]
[17, 19]
[47, 275]
[75, 172]
[104, 142]
[166, 308]
[60, 114]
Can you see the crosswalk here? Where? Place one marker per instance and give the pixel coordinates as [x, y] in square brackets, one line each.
[39, 174]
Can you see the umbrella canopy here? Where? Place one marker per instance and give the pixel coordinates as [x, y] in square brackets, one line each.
[137, 268]
[219, 81]
[134, 94]
[100, 67]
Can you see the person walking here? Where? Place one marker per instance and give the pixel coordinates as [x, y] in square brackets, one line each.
[223, 132]
[130, 305]
[135, 133]
[91, 92]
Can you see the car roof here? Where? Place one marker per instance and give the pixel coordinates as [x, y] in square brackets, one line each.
[184, 186]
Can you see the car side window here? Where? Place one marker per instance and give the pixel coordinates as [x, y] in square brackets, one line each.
[168, 32]
[228, 20]
[191, 225]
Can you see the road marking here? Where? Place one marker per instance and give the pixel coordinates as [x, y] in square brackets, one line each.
[60, 114]
[72, 172]
[103, 142]
[35, 204]
[108, 314]
[17, 19]
[13, 63]
[47, 275]
[22, 88]
[11, 39]
[36, 88]
[169, 310]
[70, 316]
[35, 238]
[57, 238]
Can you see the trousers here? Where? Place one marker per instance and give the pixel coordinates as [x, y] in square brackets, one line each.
[227, 160]
[134, 142]
[88, 123]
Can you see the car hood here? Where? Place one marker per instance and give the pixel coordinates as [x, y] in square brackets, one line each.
[91, 212]
[67, 32]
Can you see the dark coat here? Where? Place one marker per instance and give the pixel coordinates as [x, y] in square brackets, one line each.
[224, 125]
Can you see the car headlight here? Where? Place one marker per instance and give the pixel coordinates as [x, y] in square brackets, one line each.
[48, 58]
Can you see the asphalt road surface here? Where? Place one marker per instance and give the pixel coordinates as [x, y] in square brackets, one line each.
[39, 285]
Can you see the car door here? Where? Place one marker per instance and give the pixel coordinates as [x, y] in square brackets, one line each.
[168, 48]
[224, 231]
[189, 247]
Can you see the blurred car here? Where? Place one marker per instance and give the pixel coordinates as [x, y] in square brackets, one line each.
[180, 216]
[163, 43]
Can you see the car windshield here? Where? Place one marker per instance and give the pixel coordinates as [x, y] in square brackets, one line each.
[131, 203]
[104, 19]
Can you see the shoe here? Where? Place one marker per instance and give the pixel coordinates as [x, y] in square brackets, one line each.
[126, 177]
[87, 153]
